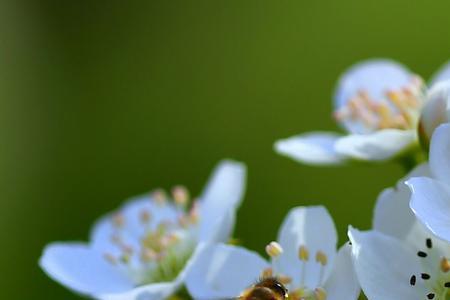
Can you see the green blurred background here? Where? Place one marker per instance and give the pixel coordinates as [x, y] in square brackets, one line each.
[102, 100]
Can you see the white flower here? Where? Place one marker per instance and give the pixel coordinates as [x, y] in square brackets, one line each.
[430, 199]
[399, 258]
[378, 102]
[304, 259]
[143, 250]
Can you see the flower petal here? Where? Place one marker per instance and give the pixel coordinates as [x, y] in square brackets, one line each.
[82, 269]
[154, 291]
[392, 213]
[315, 148]
[442, 74]
[436, 110]
[342, 284]
[376, 77]
[313, 228]
[221, 197]
[384, 266]
[381, 145]
[430, 202]
[440, 153]
[223, 272]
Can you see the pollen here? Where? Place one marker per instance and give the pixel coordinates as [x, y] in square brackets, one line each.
[303, 253]
[273, 249]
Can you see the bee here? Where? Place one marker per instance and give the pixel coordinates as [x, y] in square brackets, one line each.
[267, 288]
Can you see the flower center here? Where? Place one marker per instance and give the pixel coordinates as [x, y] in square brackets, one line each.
[399, 109]
[435, 276]
[299, 291]
[156, 250]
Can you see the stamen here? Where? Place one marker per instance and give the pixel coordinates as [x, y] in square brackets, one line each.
[445, 265]
[144, 216]
[303, 253]
[320, 294]
[412, 280]
[273, 249]
[267, 272]
[110, 258]
[180, 195]
[421, 254]
[159, 196]
[118, 220]
[321, 258]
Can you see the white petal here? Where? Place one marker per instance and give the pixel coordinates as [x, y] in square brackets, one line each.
[384, 266]
[392, 213]
[442, 74]
[342, 283]
[430, 202]
[440, 153]
[221, 198]
[315, 148]
[223, 272]
[82, 269]
[376, 77]
[381, 145]
[436, 110]
[313, 228]
[155, 291]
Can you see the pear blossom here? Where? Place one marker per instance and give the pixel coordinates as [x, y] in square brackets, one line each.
[400, 258]
[378, 102]
[430, 199]
[144, 249]
[304, 259]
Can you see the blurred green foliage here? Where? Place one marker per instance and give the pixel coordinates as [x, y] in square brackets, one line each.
[102, 100]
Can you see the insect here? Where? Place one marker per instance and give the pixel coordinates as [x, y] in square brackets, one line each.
[267, 288]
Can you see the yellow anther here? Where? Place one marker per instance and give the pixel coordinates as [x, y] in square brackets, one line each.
[159, 196]
[445, 265]
[180, 195]
[303, 253]
[320, 294]
[118, 220]
[125, 258]
[148, 255]
[273, 249]
[267, 272]
[321, 258]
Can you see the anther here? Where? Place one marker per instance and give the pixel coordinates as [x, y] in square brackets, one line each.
[267, 272]
[412, 280]
[144, 216]
[429, 243]
[320, 294]
[159, 196]
[430, 296]
[180, 195]
[321, 258]
[445, 265]
[425, 276]
[303, 253]
[421, 254]
[118, 220]
[273, 249]
[110, 258]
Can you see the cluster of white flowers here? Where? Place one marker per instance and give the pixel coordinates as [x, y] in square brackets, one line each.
[159, 245]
